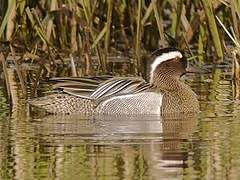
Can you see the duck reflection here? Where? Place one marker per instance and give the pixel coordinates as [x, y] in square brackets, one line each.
[160, 144]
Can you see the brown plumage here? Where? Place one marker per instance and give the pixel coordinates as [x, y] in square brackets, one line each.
[165, 93]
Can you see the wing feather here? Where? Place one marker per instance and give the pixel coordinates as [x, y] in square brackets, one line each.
[100, 87]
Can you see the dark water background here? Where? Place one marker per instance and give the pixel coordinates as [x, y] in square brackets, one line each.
[206, 146]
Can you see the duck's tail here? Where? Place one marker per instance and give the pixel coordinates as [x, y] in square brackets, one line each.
[64, 104]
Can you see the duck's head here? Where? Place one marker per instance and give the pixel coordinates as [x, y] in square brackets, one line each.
[169, 63]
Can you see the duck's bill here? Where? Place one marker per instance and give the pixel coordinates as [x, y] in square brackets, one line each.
[191, 69]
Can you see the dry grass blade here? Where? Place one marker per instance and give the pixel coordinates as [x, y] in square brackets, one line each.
[50, 24]
[228, 33]
[234, 18]
[73, 66]
[147, 14]
[159, 23]
[99, 37]
[38, 29]
[10, 9]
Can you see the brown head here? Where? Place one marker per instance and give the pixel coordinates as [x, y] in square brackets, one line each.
[168, 64]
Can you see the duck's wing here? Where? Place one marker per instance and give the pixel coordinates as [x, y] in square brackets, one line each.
[119, 86]
[80, 87]
[100, 87]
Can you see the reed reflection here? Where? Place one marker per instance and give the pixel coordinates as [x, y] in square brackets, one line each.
[144, 146]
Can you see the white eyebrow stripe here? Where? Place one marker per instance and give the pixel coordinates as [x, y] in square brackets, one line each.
[162, 58]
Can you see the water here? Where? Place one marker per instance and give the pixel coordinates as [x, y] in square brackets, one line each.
[206, 146]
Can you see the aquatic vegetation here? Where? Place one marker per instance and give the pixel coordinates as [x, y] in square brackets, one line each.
[88, 36]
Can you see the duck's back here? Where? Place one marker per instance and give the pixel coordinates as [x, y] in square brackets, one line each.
[83, 95]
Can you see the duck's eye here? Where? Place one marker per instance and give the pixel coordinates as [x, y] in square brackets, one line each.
[167, 65]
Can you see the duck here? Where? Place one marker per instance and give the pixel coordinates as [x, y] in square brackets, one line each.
[164, 93]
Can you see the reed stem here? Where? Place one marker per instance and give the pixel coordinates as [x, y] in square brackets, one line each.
[22, 83]
[137, 63]
[6, 77]
[159, 23]
[108, 30]
[207, 5]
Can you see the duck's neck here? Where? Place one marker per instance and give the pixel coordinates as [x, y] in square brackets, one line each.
[166, 82]
[177, 96]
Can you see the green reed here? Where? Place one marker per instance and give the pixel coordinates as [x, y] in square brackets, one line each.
[99, 28]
